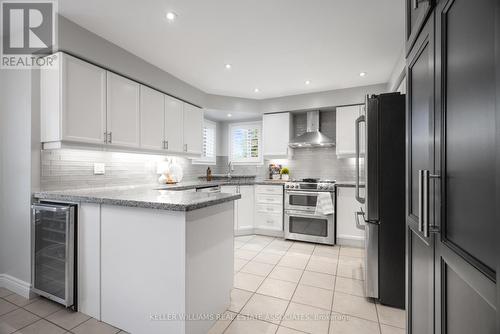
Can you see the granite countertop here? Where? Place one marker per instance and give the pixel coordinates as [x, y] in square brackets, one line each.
[157, 196]
[141, 197]
[234, 181]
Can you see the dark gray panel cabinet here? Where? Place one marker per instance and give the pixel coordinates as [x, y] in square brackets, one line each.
[466, 254]
[420, 130]
[417, 12]
[452, 170]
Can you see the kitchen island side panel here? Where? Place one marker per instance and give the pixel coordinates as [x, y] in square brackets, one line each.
[142, 269]
[209, 264]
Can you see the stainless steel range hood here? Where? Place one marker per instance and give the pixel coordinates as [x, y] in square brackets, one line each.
[313, 137]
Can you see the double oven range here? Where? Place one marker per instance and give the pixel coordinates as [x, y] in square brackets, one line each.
[302, 222]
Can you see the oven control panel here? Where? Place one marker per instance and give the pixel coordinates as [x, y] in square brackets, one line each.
[310, 186]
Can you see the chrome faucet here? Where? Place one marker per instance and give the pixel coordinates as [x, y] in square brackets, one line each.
[229, 169]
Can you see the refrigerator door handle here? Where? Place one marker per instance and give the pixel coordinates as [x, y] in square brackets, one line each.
[356, 219]
[359, 120]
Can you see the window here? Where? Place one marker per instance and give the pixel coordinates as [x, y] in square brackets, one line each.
[245, 143]
[208, 155]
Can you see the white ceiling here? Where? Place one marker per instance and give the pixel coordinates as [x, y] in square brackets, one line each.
[274, 45]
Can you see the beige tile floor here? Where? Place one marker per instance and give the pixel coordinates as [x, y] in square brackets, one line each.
[280, 287]
[41, 316]
[286, 287]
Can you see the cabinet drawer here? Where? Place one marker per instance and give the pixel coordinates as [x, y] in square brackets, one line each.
[269, 208]
[269, 221]
[271, 199]
[266, 189]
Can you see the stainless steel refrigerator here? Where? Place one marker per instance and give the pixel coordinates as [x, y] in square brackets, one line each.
[382, 207]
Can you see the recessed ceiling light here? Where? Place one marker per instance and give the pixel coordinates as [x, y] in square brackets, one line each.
[362, 74]
[228, 66]
[171, 16]
[308, 82]
[256, 90]
[229, 115]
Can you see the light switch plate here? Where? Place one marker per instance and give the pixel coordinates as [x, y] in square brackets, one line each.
[99, 168]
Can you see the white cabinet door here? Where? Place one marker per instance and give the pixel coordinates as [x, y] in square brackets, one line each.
[347, 232]
[246, 208]
[193, 129]
[152, 118]
[173, 124]
[345, 131]
[123, 114]
[83, 99]
[276, 134]
[232, 190]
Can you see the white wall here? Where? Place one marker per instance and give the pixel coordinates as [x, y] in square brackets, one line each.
[332, 98]
[398, 73]
[15, 174]
[87, 45]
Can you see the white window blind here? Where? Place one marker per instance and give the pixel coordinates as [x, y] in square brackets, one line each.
[245, 143]
[208, 155]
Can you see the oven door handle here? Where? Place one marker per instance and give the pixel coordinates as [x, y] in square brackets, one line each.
[307, 193]
[305, 215]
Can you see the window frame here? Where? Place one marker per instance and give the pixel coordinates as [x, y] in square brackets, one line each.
[203, 160]
[245, 161]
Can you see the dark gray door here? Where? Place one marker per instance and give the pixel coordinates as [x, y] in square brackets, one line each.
[465, 194]
[420, 157]
[417, 12]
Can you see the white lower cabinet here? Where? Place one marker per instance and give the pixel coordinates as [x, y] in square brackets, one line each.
[347, 205]
[243, 208]
[259, 211]
[245, 212]
[269, 210]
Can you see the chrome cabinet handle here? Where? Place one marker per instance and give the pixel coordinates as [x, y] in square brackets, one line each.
[110, 140]
[105, 137]
[359, 120]
[423, 203]
[185, 147]
[166, 144]
[423, 195]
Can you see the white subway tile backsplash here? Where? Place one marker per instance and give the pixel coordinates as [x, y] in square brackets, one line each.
[73, 169]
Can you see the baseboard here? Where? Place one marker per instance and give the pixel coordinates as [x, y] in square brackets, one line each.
[348, 240]
[271, 233]
[259, 231]
[13, 284]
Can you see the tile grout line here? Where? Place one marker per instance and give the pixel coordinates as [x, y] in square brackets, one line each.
[300, 278]
[253, 292]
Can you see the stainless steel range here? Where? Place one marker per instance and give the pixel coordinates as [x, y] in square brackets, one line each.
[303, 219]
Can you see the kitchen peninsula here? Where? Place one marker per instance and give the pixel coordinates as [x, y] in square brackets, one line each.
[151, 260]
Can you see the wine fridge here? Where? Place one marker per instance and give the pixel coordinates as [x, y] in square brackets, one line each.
[53, 252]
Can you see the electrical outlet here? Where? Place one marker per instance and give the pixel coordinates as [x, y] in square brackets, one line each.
[99, 168]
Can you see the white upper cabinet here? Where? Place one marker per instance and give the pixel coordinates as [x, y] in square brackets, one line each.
[123, 111]
[152, 119]
[193, 129]
[276, 134]
[73, 102]
[346, 131]
[173, 124]
[85, 104]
